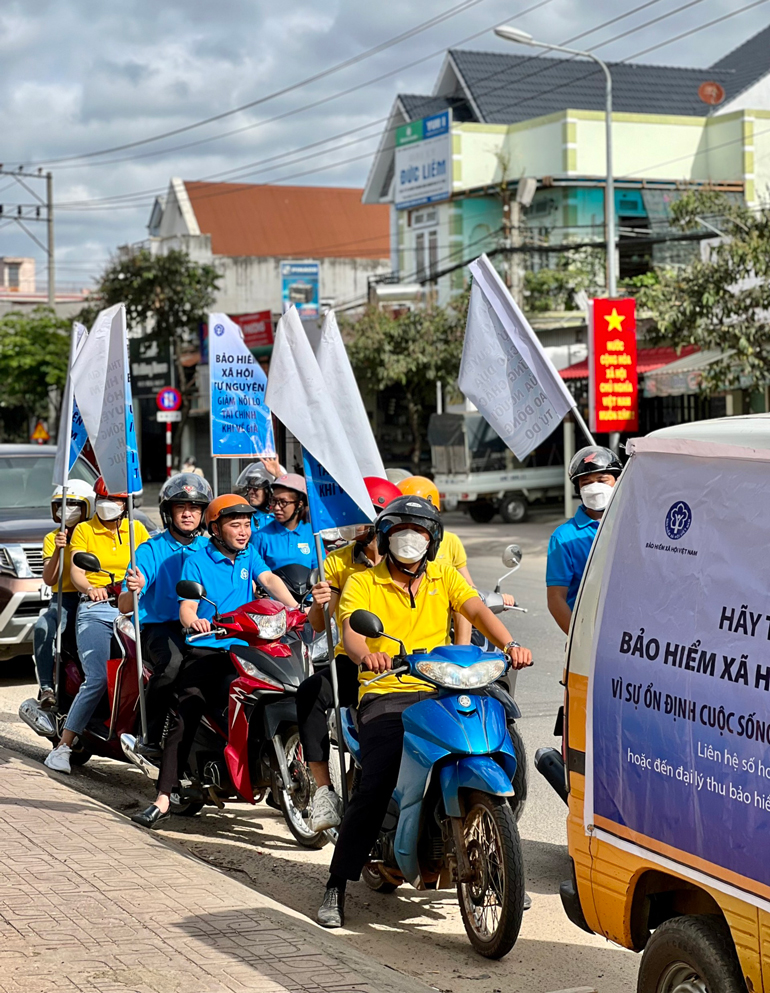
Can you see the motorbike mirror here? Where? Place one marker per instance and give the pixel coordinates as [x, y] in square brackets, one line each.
[512, 557]
[87, 561]
[312, 579]
[188, 590]
[365, 623]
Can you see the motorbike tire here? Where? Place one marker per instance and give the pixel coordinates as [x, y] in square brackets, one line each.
[186, 809]
[482, 513]
[376, 881]
[79, 756]
[520, 781]
[293, 816]
[494, 849]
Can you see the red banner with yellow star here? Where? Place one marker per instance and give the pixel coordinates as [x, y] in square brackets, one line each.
[613, 383]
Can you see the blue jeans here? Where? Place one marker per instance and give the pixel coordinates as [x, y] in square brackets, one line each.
[94, 631]
[44, 636]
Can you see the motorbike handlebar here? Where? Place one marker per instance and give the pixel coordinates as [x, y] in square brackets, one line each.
[204, 634]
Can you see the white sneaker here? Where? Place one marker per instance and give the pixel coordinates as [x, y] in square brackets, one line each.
[59, 759]
[326, 809]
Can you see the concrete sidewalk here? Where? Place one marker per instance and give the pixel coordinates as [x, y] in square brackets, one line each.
[89, 903]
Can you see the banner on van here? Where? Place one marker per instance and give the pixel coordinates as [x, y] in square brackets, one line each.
[678, 735]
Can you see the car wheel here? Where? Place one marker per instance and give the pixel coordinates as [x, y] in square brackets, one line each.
[513, 508]
[482, 513]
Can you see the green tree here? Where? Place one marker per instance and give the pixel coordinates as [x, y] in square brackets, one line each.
[555, 288]
[34, 352]
[722, 304]
[166, 295]
[412, 350]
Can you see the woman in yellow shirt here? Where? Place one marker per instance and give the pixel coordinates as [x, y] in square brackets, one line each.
[106, 536]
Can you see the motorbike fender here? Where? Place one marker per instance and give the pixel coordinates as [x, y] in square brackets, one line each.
[479, 730]
[350, 734]
[418, 760]
[237, 748]
[472, 772]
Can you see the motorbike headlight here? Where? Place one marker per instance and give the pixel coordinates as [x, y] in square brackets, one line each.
[13, 562]
[462, 677]
[271, 626]
[125, 625]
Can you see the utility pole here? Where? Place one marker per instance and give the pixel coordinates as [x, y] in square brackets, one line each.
[23, 213]
[49, 239]
[512, 240]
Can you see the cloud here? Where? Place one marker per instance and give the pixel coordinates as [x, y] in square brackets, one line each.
[81, 75]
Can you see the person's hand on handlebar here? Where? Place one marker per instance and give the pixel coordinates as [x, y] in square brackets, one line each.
[322, 593]
[520, 657]
[97, 593]
[508, 600]
[377, 662]
[201, 625]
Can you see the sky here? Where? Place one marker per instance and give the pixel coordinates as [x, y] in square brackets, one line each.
[82, 76]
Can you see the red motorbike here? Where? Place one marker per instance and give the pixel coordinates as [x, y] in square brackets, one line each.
[117, 712]
[250, 750]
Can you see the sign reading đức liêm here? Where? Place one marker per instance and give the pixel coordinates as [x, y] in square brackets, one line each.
[424, 161]
[613, 388]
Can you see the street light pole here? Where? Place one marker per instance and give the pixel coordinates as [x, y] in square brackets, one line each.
[522, 38]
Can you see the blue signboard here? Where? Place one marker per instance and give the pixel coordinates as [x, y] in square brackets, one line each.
[300, 287]
[329, 504]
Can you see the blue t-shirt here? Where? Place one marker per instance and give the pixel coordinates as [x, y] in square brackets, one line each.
[227, 582]
[568, 552]
[160, 561]
[279, 546]
[258, 520]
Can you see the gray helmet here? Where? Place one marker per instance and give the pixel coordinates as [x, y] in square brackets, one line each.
[593, 458]
[254, 477]
[184, 487]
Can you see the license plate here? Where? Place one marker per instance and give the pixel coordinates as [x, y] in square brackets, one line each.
[45, 592]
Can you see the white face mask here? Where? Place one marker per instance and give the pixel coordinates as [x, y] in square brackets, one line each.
[408, 546]
[109, 510]
[596, 496]
[72, 516]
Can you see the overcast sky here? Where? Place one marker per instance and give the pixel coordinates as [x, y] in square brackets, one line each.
[85, 75]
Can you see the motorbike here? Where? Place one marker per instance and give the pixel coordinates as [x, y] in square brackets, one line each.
[449, 820]
[117, 712]
[251, 750]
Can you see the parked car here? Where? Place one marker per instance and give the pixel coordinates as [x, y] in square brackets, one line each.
[26, 474]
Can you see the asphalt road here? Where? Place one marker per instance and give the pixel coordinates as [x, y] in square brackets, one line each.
[418, 933]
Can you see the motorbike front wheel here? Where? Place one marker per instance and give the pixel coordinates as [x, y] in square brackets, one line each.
[492, 903]
[295, 806]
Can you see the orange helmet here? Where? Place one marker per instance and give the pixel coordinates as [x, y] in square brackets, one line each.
[421, 486]
[227, 505]
[101, 490]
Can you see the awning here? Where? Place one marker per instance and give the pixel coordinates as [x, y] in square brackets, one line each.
[647, 360]
[682, 377]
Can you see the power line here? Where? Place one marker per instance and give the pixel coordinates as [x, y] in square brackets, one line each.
[700, 27]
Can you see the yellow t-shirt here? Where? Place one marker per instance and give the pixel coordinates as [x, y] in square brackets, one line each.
[451, 551]
[48, 550]
[442, 591]
[110, 547]
[338, 568]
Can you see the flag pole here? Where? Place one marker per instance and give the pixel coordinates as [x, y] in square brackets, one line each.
[583, 426]
[333, 669]
[69, 396]
[137, 630]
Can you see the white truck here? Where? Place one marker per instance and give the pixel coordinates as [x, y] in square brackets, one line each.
[476, 472]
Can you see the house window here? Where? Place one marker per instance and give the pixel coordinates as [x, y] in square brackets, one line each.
[13, 269]
[433, 254]
[419, 251]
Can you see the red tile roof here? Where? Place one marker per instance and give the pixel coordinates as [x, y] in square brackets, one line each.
[290, 221]
[647, 359]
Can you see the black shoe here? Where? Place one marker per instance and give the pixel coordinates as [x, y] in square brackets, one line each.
[149, 818]
[527, 902]
[47, 698]
[150, 751]
[331, 913]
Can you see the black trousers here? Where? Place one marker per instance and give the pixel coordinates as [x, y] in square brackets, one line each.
[164, 649]
[204, 685]
[315, 698]
[381, 744]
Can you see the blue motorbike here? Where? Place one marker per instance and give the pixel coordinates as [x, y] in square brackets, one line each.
[450, 821]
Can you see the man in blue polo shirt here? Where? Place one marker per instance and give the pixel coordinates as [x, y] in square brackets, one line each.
[593, 472]
[182, 500]
[228, 568]
[288, 539]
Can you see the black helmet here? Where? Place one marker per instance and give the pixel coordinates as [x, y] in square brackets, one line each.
[254, 477]
[410, 510]
[593, 458]
[184, 487]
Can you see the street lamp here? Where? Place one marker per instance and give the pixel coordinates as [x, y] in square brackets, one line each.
[523, 38]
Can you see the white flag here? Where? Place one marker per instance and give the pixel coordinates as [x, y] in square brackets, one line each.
[335, 368]
[72, 434]
[101, 382]
[504, 369]
[302, 399]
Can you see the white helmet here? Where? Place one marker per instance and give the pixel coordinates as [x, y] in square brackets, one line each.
[79, 492]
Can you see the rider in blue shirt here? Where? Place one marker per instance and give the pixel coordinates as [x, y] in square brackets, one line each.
[287, 540]
[183, 499]
[593, 472]
[227, 567]
[256, 484]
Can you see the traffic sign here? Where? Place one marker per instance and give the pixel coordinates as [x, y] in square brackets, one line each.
[169, 398]
[168, 416]
[40, 435]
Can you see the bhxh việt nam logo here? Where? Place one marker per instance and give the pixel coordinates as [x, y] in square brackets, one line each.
[678, 520]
